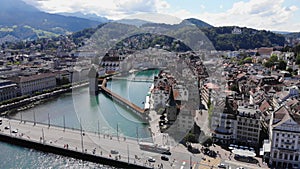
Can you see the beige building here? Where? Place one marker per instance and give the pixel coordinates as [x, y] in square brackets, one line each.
[28, 85]
[248, 126]
[8, 90]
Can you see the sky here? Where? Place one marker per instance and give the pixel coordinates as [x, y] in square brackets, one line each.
[275, 15]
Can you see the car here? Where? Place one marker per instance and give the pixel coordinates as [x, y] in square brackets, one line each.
[221, 165]
[240, 168]
[166, 153]
[15, 131]
[6, 127]
[114, 152]
[165, 158]
[151, 159]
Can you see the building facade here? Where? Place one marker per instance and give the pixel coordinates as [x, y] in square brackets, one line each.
[285, 139]
[248, 126]
[28, 85]
[8, 90]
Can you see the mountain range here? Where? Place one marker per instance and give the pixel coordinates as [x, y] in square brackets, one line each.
[23, 21]
[31, 23]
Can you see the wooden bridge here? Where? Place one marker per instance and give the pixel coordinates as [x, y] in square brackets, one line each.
[127, 104]
[134, 79]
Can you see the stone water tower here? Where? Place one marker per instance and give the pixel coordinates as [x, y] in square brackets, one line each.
[93, 80]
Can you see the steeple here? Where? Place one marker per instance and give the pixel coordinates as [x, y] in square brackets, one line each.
[171, 101]
[171, 108]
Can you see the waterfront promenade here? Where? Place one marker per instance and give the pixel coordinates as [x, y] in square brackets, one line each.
[94, 144]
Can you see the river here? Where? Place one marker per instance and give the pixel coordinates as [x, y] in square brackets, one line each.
[92, 112]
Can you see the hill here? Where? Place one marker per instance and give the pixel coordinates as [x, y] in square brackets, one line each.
[23, 21]
[234, 38]
[197, 22]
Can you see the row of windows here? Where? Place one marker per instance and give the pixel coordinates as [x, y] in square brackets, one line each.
[285, 156]
[247, 129]
[286, 135]
[286, 141]
[248, 120]
[247, 134]
[285, 146]
[248, 124]
[245, 138]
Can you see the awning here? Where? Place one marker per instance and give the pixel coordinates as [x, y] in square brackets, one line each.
[245, 153]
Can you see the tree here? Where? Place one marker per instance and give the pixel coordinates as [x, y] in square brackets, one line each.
[298, 58]
[281, 65]
[247, 60]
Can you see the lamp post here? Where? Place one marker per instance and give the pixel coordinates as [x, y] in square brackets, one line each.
[98, 129]
[34, 118]
[64, 121]
[43, 136]
[118, 131]
[137, 133]
[128, 153]
[81, 136]
[48, 120]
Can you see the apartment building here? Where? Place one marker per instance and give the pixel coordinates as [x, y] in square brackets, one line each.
[248, 125]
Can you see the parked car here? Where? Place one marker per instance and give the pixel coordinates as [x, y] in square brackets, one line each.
[221, 165]
[167, 153]
[165, 158]
[114, 152]
[151, 159]
[15, 131]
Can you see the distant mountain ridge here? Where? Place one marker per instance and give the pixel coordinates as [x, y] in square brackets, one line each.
[24, 21]
[92, 17]
[19, 20]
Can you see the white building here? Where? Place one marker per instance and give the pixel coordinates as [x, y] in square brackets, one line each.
[160, 98]
[285, 139]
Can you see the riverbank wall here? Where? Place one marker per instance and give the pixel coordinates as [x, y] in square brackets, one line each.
[67, 152]
[28, 102]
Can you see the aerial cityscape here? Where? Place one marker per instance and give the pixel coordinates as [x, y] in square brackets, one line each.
[150, 84]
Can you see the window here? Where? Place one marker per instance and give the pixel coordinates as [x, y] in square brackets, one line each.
[280, 155]
[275, 155]
[285, 156]
[296, 157]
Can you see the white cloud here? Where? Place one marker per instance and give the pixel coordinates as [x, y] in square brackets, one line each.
[259, 14]
[262, 14]
[113, 9]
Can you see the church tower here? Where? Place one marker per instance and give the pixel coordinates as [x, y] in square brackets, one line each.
[171, 108]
